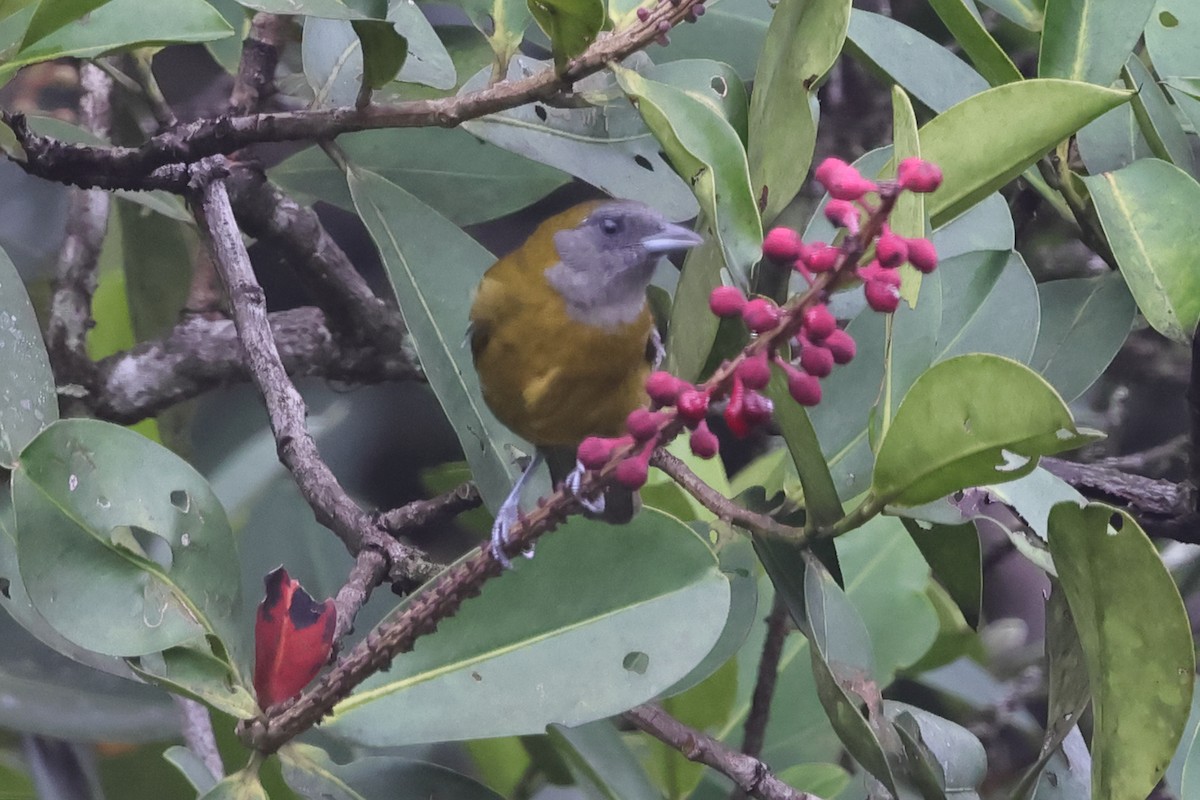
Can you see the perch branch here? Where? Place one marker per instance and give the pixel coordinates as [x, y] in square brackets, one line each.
[422, 513]
[778, 625]
[198, 734]
[749, 774]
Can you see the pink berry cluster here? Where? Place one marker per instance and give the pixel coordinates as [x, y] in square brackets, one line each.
[804, 327]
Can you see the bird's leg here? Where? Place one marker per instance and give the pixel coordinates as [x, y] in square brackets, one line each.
[510, 509]
[573, 482]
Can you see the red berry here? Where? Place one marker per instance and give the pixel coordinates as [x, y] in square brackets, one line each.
[882, 296]
[755, 371]
[816, 360]
[922, 255]
[782, 244]
[594, 451]
[818, 322]
[918, 175]
[664, 388]
[632, 472]
[843, 214]
[693, 405]
[735, 416]
[891, 249]
[703, 441]
[804, 388]
[842, 346]
[821, 257]
[726, 301]
[761, 315]
[757, 409]
[642, 424]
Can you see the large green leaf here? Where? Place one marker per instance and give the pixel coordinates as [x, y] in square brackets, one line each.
[570, 24]
[120, 566]
[1089, 40]
[122, 25]
[1084, 322]
[434, 268]
[50, 15]
[1171, 44]
[1158, 119]
[312, 773]
[803, 41]
[460, 176]
[962, 18]
[733, 32]
[1153, 240]
[1136, 640]
[970, 421]
[606, 144]
[593, 625]
[1026, 13]
[1039, 115]
[28, 401]
[706, 151]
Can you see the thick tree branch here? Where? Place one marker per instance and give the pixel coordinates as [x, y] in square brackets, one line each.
[133, 167]
[255, 82]
[749, 774]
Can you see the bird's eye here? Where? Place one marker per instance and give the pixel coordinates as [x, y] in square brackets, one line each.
[610, 225]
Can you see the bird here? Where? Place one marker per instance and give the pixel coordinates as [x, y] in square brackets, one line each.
[562, 338]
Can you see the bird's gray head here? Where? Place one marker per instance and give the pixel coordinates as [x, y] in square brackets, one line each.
[606, 262]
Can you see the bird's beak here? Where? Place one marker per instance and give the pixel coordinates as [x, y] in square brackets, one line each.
[672, 237]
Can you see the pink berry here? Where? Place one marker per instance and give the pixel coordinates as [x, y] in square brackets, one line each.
[804, 388]
[703, 441]
[882, 296]
[643, 14]
[922, 255]
[827, 169]
[755, 371]
[642, 424]
[918, 175]
[760, 315]
[843, 214]
[821, 257]
[594, 451]
[757, 409]
[782, 244]
[726, 301]
[664, 388]
[850, 185]
[693, 405]
[816, 360]
[818, 322]
[842, 346]
[891, 249]
[735, 416]
[632, 472]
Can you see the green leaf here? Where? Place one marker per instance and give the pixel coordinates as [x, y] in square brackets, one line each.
[191, 767]
[228, 52]
[803, 40]
[417, 246]
[611, 639]
[962, 20]
[947, 752]
[325, 9]
[312, 773]
[1026, 13]
[428, 62]
[953, 554]
[706, 151]
[503, 22]
[1089, 40]
[710, 82]
[1152, 240]
[241, 785]
[28, 401]
[1039, 115]
[1084, 322]
[601, 763]
[117, 566]
[693, 328]
[1156, 116]
[1136, 640]
[571, 25]
[606, 145]
[50, 15]
[733, 32]
[970, 421]
[1190, 781]
[822, 780]
[124, 25]
[1171, 44]
[383, 52]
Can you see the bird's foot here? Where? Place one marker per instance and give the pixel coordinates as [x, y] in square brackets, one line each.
[573, 483]
[506, 517]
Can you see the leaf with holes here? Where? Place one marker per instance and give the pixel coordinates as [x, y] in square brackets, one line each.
[119, 565]
[605, 617]
[970, 421]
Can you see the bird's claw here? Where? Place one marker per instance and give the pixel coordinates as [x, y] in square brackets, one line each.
[573, 483]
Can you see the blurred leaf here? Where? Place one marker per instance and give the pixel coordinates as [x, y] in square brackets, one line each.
[1170, 38]
[1191, 767]
[1068, 773]
[733, 32]
[606, 145]
[117, 566]
[416, 245]
[461, 177]
[822, 780]
[503, 22]
[1032, 497]
[1089, 40]
[705, 150]
[500, 763]
[961, 18]
[693, 328]
[120, 25]
[953, 554]
[1026, 13]
[972, 420]
[1136, 640]
[325, 9]
[428, 61]
[908, 215]
[15, 779]
[1159, 122]
[1152, 241]
[50, 15]
[570, 24]
[803, 41]
[383, 52]
[1084, 322]
[191, 767]
[602, 765]
[313, 774]
[28, 400]
[241, 785]
[953, 755]
[228, 51]
[611, 639]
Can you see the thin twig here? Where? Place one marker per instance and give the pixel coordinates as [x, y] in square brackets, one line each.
[370, 568]
[778, 625]
[749, 774]
[143, 72]
[421, 513]
[198, 735]
[717, 503]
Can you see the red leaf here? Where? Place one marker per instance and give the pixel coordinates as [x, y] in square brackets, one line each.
[293, 636]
